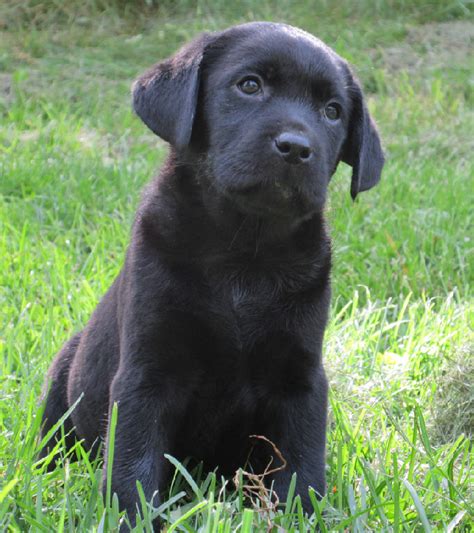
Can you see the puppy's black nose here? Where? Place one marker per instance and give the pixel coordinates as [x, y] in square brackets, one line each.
[293, 147]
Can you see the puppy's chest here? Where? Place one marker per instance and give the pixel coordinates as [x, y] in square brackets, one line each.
[246, 311]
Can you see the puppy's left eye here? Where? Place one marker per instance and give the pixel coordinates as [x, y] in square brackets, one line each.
[333, 111]
[250, 85]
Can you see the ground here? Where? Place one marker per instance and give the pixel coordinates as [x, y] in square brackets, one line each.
[399, 347]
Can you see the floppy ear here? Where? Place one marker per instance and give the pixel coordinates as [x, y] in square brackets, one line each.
[165, 97]
[362, 149]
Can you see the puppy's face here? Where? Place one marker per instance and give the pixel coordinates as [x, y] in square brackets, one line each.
[276, 113]
[265, 112]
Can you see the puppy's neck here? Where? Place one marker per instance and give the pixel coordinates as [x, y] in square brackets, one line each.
[185, 216]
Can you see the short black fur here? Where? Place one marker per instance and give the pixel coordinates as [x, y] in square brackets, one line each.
[213, 329]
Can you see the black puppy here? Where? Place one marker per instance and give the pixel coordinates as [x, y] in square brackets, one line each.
[213, 329]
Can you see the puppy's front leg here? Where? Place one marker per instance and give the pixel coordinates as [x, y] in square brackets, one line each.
[300, 434]
[144, 433]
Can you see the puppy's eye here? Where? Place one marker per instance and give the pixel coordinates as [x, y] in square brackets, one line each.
[332, 111]
[250, 85]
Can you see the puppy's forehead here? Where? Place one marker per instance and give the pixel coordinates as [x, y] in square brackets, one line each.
[269, 46]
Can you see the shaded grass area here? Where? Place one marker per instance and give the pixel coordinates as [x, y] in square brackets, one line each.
[73, 159]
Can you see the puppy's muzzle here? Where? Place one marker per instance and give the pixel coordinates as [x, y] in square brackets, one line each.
[294, 148]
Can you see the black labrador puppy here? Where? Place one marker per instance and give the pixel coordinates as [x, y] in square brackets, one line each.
[213, 329]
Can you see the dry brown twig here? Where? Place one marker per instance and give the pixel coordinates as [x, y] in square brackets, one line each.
[253, 485]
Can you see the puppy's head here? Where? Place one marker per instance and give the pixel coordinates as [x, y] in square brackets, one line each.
[266, 112]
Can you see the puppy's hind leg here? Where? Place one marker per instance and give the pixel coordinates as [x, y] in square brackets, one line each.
[55, 398]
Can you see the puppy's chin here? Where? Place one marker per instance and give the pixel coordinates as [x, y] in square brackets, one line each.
[276, 201]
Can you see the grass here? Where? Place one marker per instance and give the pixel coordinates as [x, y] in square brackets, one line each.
[399, 348]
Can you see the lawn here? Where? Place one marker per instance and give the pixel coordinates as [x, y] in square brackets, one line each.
[399, 347]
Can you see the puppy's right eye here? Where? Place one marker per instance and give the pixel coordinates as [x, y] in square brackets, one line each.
[250, 85]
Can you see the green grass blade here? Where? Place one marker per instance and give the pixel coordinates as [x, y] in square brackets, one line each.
[110, 453]
[418, 505]
[186, 475]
